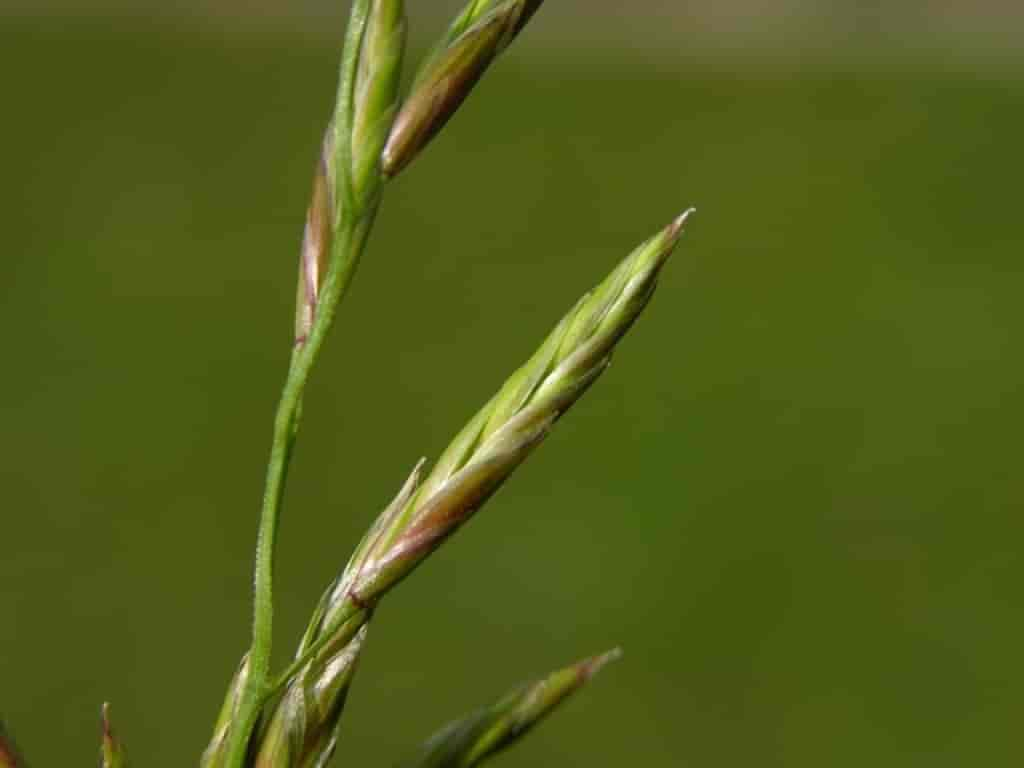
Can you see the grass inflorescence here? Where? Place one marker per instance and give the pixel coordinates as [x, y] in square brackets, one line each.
[290, 719]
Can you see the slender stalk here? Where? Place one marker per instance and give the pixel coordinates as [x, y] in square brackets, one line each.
[285, 428]
[350, 235]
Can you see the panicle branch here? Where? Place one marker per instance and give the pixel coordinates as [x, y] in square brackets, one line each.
[475, 738]
[293, 722]
[426, 511]
[504, 432]
[450, 72]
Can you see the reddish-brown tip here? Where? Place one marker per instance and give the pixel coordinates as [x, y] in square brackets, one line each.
[9, 756]
[676, 227]
[595, 664]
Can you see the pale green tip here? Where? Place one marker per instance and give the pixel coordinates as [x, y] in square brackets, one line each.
[594, 665]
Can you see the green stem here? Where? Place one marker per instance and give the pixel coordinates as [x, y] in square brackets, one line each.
[350, 242]
[353, 219]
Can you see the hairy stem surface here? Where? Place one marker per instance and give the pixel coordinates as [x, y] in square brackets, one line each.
[349, 241]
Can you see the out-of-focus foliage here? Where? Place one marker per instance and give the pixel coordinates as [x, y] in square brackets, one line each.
[794, 500]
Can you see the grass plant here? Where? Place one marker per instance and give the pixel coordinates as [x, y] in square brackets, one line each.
[290, 719]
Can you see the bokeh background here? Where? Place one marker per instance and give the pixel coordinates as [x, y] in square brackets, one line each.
[795, 500]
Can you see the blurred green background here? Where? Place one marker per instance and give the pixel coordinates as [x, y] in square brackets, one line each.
[794, 500]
